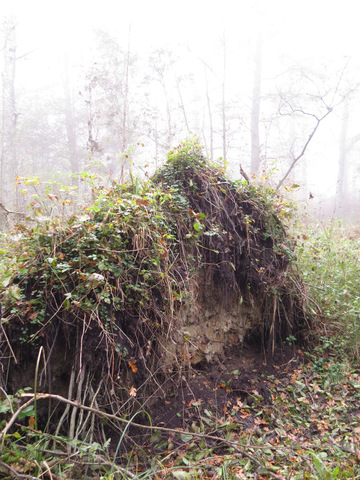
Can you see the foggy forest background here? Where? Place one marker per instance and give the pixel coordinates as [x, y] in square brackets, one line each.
[119, 111]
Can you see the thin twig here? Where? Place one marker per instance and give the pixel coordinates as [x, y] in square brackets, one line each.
[14, 417]
[100, 413]
[16, 474]
[9, 345]
[8, 399]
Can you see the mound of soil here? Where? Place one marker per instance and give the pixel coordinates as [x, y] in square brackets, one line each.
[147, 287]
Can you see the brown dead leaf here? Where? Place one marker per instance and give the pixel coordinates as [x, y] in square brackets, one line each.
[133, 366]
[244, 413]
[142, 202]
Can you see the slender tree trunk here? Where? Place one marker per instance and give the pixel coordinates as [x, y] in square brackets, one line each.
[70, 122]
[91, 144]
[182, 105]
[224, 119]
[159, 64]
[255, 111]
[341, 188]
[124, 132]
[168, 115]
[9, 117]
[157, 144]
[210, 116]
[124, 139]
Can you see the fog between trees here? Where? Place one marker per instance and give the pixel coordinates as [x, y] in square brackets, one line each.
[121, 110]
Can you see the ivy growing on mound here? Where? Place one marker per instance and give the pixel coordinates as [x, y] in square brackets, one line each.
[241, 238]
[107, 282]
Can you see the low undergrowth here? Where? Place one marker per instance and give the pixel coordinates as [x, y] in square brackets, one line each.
[328, 257]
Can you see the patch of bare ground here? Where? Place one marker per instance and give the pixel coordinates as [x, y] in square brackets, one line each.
[214, 388]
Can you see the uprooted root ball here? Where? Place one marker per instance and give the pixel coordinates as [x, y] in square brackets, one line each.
[101, 291]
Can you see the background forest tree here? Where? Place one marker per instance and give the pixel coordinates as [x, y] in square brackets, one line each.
[123, 109]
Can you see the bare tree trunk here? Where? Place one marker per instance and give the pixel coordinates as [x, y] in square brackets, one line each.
[124, 136]
[341, 188]
[182, 104]
[168, 116]
[70, 123]
[91, 143]
[224, 119]
[9, 117]
[255, 111]
[208, 102]
[210, 116]
[159, 64]
[157, 144]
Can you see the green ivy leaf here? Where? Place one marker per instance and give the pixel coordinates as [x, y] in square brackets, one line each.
[186, 437]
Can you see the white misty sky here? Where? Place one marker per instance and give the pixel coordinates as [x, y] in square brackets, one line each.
[315, 31]
[306, 28]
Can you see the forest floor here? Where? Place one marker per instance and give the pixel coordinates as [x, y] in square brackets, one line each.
[294, 416]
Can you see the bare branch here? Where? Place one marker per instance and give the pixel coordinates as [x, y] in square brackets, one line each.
[244, 174]
[296, 159]
[13, 26]
[16, 474]
[340, 78]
